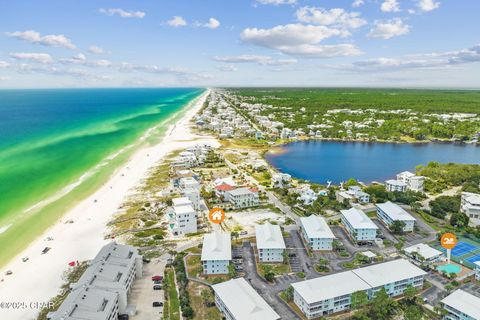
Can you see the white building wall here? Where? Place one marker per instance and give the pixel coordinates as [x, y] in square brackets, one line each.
[215, 266]
[270, 255]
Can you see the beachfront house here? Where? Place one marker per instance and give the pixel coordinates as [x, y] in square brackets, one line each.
[270, 243]
[461, 305]
[470, 205]
[188, 183]
[353, 193]
[307, 195]
[316, 233]
[216, 253]
[330, 294]
[413, 182]
[182, 217]
[423, 253]
[237, 300]
[281, 180]
[395, 185]
[185, 160]
[242, 197]
[359, 225]
[103, 289]
[389, 212]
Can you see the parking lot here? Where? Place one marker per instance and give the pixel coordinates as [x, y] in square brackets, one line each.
[142, 294]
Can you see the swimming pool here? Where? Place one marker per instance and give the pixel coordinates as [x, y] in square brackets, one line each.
[450, 268]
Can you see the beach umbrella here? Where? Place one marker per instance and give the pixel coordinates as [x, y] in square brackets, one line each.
[71, 264]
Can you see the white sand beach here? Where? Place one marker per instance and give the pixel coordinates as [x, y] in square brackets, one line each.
[40, 278]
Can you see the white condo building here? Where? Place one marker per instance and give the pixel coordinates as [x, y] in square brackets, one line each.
[332, 293]
[216, 252]
[470, 205]
[395, 185]
[423, 253]
[461, 305]
[237, 300]
[316, 233]
[477, 270]
[270, 243]
[413, 182]
[105, 284]
[389, 212]
[359, 225]
[242, 198]
[182, 217]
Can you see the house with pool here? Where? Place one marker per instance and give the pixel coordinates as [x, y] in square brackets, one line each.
[389, 212]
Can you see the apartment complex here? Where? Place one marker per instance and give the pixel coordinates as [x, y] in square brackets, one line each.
[461, 305]
[216, 252]
[270, 243]
[237, 300]
[182, 217]
[359, 225]
[389, 212]
[103, 289]
[332, 293]
[316, 233]
[470, 205]
[242, 197]
[423, 253]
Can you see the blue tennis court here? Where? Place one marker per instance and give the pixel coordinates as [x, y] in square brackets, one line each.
[462, 248]
[474, 258]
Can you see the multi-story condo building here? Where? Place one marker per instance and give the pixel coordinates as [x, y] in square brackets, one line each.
[182, 217]
[216, 252]
[237, 300]
[395, 185]
[242, 197]
[107, 283]
[389, 212]
[470, 205]
[413, 182]
[270, 243]
[359, 225]
[423, 253]
[477, 270]
[332, 293]
[87, 303]
[461, 305]
[316, 233]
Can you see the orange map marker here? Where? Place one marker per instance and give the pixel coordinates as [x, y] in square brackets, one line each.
[448, 241]
[216, 215]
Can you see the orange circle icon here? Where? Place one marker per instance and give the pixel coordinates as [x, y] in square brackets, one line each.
[448, 240]
[216, 215]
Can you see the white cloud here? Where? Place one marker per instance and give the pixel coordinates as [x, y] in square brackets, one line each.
[250, 58]
[3, 78]
[358, 3]
[177, 21]
[95, 50]
[420, 61]
[81, 59]
[122, 13]
[277, 2]
[389, 29]
[390, 6]
[51, 40]
[4, 64]
[212, 23]
[428, 5]
[227, 68]
[333, 17]
[299, 39]
[35, 57]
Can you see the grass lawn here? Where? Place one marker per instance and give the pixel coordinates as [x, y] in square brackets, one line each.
[277, 268]
[201, 310]
[172, 296]
[194, 266]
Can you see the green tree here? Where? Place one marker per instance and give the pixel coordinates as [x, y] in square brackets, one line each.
[289, 293]
[459, 219]
[382, 306]
[413, 312]
[268, 272]
[410, 294]
[397, 226]
[359, 299]
[231, 270]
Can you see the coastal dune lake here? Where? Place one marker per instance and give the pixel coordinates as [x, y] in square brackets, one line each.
[322, 161]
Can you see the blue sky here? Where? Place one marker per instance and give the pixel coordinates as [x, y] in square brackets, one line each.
[121, 43]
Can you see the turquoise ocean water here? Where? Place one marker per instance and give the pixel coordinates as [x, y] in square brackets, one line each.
[58, 145]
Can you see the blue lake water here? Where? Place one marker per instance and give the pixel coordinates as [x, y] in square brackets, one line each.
[321, 161]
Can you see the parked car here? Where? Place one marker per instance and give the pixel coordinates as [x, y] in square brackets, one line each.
[157, 287]
[157, 278]
[45, 250]
[291, 255]
[146, 260]
[242, 233]
[9, 272]
[157, 282]
[157, 304]
[123, 317]
[25, 259]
